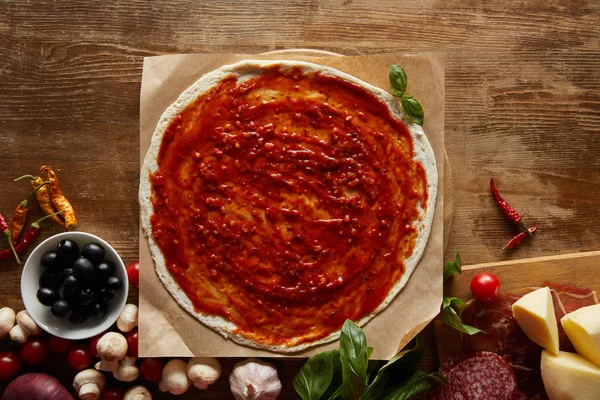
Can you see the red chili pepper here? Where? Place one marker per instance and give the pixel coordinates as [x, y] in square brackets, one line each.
[506, 208]
[518, 239]
[27, 239]
[6, 230]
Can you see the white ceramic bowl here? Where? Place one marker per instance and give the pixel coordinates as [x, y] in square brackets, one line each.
[41, 314]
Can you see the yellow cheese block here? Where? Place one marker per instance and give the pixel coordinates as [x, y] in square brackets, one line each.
[568, 376]
[535, 314]
[583, 328]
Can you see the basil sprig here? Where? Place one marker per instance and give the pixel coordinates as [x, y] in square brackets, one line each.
[412, 108]
[347, 374]
[451, 306]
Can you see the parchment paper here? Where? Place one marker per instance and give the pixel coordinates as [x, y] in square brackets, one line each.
[165, 329]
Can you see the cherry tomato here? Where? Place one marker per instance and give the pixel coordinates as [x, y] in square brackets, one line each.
[10, 363]
[79, 357]
[35, 350]
[59, 345]
[132, 343]
[151, 369]
[94, 343]
[112, 393]
[133, 274]
[485, 287]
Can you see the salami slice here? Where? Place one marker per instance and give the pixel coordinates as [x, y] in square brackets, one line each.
[481, 376]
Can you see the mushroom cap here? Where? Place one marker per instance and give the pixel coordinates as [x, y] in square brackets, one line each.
[204, 369]
[174, 377]
[25, 320]
[89, 375]
[112, 346]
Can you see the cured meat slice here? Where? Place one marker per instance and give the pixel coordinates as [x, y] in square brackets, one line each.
[483, 375]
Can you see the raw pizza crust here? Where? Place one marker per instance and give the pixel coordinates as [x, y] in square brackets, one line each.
[245, 70]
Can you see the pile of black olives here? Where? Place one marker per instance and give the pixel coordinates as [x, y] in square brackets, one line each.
[77, 285]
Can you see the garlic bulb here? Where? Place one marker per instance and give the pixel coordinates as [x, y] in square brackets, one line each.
[254, 379]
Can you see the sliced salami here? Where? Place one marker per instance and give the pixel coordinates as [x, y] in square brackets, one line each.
[450, 362]
[481, 376]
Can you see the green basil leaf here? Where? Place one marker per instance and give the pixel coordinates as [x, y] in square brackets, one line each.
[452, 267]
[451, 318]
[337, 394]
[315, 376]
[452, 301]
[353, 355]
[398, 80]
[412, 109]
[403, 359]
[418, 384]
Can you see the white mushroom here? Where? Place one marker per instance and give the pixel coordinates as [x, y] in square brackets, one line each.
[174, 377]
[128, 318]
[89, 383]
[127, 370]
[137, 393]
[203, 371]
[111, 348]
[25, 327]
[7, 320]
[254, 379]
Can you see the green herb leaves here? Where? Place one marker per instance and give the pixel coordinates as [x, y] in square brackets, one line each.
[452, 267]
[347, 375]
[412, 108]
[451, 318]
[450, 305]
[353, 354]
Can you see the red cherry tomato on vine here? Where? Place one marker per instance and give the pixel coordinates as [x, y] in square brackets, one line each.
[79, 357]
[35, 350]
[132, 343]
[485, 287]
[133, 274]
[94, 343]
[59, 345]
[10, 364]
[112, 393]
[151, 369]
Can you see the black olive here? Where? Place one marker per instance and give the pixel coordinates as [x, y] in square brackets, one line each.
[78, 315]
[70, 282]
[97, 310]
[104, 295]
[67, 251]
[49, 280]
[114, 284]
[61, 308]
[64, 274]
[50, 261]
[85, 296]
[104, 270]
[83, 269]
[47, 296]
[93, 252]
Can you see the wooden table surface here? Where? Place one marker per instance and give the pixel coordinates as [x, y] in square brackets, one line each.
[522, 105]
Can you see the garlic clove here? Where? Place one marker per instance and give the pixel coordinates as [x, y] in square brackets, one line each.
[254, 379]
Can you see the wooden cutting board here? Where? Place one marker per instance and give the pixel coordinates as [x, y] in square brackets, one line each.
[579, 269]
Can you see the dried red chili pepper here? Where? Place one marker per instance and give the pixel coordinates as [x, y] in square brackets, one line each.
[59, 200]
[6, 230]
[43, 198]
[506, 208]
[27, 239]
[20, 215]
[518, 239]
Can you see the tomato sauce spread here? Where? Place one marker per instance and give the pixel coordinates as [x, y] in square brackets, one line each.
[286, 203]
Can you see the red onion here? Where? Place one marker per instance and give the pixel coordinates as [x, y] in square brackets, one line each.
[36, 386]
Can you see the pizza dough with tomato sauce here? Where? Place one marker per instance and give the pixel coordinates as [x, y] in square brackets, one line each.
[282, 197]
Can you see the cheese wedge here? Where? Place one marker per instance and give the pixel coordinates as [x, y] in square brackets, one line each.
[568, 376]
[535, 314]
[583, 329]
